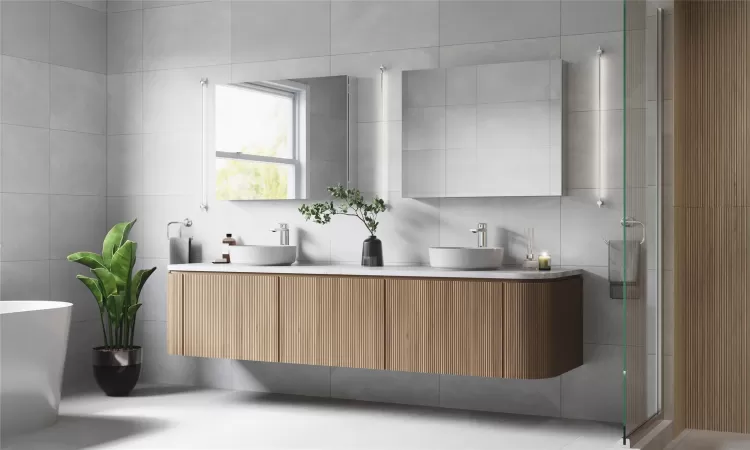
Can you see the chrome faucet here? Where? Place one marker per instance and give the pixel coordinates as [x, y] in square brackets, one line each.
[481, 232]
[283, 230]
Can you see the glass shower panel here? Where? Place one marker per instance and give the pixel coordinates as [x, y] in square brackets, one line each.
[641, 265]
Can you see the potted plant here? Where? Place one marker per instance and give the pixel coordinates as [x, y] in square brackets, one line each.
[352, 204]
[116, 289]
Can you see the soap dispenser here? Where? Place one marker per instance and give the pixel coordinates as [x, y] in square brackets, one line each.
[225, 244]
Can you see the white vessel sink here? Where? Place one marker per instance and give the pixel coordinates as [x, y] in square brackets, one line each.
[263, 255]
[466, 258]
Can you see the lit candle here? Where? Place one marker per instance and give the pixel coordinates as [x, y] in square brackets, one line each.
[545, 261]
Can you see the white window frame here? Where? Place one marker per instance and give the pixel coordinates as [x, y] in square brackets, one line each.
[298, 94]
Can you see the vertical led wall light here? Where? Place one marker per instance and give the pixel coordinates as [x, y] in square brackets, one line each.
[599, 53]
[382, 183]
[204, 194]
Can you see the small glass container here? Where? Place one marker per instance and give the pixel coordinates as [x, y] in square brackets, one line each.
[545, 261]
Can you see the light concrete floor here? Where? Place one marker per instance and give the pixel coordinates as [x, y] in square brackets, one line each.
[187, 418]
[710, 440]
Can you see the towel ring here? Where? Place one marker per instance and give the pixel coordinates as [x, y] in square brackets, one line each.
[186, 222]
[628, 222]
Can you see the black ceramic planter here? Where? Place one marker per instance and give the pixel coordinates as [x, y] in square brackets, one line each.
[372, 252]
[117, 371]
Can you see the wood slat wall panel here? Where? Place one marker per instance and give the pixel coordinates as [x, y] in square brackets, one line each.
[230, 316]
[543, 328]
[712, 222]
[332, 321]
[174, 314]
[444, 326]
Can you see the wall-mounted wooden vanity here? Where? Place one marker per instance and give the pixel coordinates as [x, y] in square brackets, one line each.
[511, 324]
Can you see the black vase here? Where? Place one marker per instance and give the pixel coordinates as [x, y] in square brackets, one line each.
[372, 252]
[117, 371]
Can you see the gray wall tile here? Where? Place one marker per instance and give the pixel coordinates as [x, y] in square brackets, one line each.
[583, 17]
[181, 154]
[519, 125]
[78, 100]
[25, 280]
[581, 83]
[25, 227]
[125, 103]
[282, 378]
[257, 36]
[114, 6]
[584, 226]
[186, 36]
[125, 42]
[97, 5]
[424, 128]
[25, 92]
[500, 52]
[423, 88]
[24, 160]
[154, 293]
[172, 98]
[78, 37]
[280, 70]
[536, 397]
[385, 386]
[463, 22]
[526, 81]
[125, 209]
[64, 287]
[602, 316]
[125, 165]
[593, 391]
[25, 29]
[361, 26]
[461, 86]
[77, 163]
[77, 224]
[461, 127]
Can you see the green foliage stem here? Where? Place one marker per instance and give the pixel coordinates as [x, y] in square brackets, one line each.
[351, 203]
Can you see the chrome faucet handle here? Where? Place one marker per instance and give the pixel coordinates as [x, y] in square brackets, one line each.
[481, 232]
[283, 230]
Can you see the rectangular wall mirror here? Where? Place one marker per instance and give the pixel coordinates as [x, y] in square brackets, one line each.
[285, 139]
[490, 130]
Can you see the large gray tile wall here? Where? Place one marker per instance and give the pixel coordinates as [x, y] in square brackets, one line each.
[53, 158]
[157, 53]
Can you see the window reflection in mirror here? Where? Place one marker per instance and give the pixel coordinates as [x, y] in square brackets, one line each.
[281, 140]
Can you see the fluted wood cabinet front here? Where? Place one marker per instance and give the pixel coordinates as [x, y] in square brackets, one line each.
[444, 326]
[543, 332]
[232, 316]
[174, 313]
[332, 321]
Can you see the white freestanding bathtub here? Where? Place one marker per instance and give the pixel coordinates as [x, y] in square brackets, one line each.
[33, 343]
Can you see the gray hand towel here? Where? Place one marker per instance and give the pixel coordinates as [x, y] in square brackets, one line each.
[179, 250]
[627, 273]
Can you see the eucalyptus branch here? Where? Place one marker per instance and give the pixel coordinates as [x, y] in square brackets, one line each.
[352, 204]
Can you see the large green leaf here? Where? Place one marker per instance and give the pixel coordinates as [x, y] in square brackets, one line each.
[121, 267]
[88, 259]
[115, 308]
[139, 280]
[116, 237]
[108, 281]
[132, 311]
[93, 286]
[123, 260]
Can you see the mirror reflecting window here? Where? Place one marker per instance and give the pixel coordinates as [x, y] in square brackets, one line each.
[284, 139]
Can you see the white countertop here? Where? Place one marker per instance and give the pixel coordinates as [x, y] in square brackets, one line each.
[387, 271]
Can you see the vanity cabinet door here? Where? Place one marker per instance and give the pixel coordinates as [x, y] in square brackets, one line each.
[444, 326]
[332, 321]
[231, 316]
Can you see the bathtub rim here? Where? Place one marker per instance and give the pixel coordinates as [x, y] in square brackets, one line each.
[27, 306]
